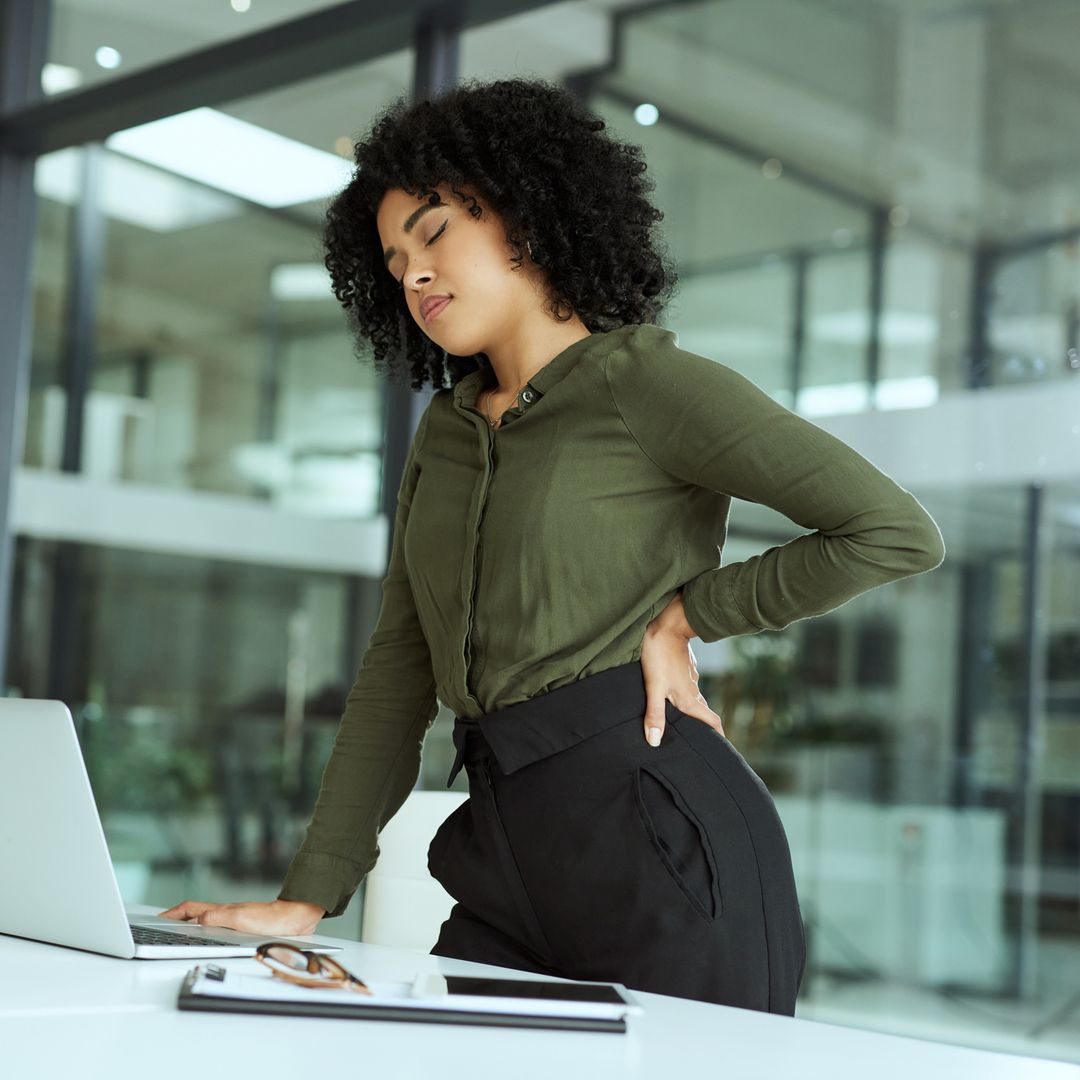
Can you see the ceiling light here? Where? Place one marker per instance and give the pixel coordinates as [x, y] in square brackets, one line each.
[107, 57]
[133, 192]
[56, 78]
[646, 114]
[234, 156]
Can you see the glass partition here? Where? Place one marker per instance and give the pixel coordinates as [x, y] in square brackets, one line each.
[1034, 316]
[919, 739]
[206, 663]
[50, 268]
[207, 696]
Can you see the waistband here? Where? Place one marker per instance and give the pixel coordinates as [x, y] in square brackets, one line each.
[530, 730]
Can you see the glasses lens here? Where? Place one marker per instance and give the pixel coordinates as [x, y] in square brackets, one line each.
[287, 957]
[331, 967]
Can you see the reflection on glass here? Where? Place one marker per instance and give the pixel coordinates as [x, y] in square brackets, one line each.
[743, 317]
[220, 362]
[206, 697]
[924, 322]
[834, 375]
[43, 441]
[1034, 317]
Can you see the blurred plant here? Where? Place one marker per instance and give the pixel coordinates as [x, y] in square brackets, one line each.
[763, 677]
[141, 769]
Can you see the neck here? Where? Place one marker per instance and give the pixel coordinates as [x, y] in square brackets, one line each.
[514, 363]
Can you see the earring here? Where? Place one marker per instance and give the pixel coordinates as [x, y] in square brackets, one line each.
[528, 247]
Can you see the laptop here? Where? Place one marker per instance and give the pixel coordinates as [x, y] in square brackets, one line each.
[57, 882]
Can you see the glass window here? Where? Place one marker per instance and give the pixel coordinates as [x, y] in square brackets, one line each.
[742, 233]
[908, 751]
[834, 378]
[741, 317]
[219, 358]
[43, 442]
[207, 688]
[1034, 316]
[206, 697]
[925, 322]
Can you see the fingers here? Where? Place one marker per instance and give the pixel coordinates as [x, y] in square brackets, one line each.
[655, 722]
[252, 918]
[712, 719]
[188, 910]
[201, 912]
[700, 710]
[214, 915]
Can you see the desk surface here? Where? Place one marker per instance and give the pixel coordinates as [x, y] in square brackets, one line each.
[69, 1013]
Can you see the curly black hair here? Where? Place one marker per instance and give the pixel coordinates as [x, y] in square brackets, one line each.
[537, 157]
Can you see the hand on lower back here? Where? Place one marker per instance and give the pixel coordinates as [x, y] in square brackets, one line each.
[670, 672]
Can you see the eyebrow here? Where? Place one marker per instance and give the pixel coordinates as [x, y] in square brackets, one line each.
[410, 221]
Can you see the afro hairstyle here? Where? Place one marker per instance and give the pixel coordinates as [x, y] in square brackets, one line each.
[529, 149]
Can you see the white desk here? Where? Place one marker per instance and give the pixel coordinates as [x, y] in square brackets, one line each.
[66, 1013]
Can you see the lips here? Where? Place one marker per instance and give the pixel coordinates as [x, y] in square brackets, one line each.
[432, 305]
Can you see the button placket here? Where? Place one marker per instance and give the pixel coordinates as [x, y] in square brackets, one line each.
[469, 654]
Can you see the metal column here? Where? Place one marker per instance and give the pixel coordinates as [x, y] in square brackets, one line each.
[800, 265]
[1023, 844]
[68, 613]
[24, 36]
[879, 238]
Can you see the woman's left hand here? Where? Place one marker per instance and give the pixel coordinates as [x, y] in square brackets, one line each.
[671, 673]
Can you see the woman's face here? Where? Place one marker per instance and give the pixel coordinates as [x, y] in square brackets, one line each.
[443, 250]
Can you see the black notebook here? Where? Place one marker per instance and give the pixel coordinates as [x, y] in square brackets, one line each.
[430, 998]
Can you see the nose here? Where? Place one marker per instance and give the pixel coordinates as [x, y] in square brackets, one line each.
[418, 279]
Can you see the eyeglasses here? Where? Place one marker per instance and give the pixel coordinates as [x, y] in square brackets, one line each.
[287, 962]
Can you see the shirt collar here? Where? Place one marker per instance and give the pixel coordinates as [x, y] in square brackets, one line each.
[467, 389]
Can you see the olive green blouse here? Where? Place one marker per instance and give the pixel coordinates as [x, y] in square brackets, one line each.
[530, 556]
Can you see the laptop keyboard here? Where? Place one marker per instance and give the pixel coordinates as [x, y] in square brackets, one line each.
[145, 935]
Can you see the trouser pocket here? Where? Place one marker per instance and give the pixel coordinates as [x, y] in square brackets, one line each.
[678, 838]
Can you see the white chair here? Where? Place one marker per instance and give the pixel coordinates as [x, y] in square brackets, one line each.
[404, 905]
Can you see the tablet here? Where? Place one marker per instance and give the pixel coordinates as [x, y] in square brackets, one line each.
[540, 990]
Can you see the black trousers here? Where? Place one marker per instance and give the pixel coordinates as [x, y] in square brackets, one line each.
[585, 853]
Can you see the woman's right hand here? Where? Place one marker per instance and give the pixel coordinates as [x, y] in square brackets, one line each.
[274, 918]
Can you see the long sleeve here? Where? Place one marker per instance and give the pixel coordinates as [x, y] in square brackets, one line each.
[706, 424]
[375, 759]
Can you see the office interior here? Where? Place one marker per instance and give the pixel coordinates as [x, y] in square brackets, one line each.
[875, 209]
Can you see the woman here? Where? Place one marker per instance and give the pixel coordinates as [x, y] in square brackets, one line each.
[555, 550]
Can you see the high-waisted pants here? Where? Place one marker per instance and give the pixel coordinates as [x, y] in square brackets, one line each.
[584, 852]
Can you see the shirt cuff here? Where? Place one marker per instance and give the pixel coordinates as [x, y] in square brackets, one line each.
[711, 608]
[326, 880]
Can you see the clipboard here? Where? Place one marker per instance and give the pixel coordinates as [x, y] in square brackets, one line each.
[431, 998]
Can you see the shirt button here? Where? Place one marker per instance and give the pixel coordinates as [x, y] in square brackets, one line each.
[527, 396]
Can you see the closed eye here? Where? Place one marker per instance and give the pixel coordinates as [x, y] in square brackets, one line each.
[435, 236]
